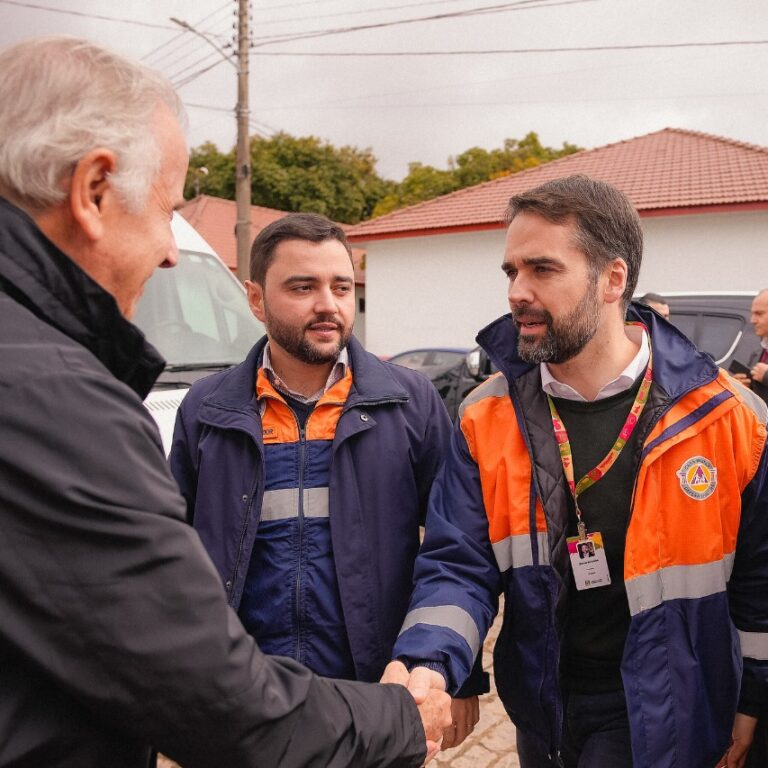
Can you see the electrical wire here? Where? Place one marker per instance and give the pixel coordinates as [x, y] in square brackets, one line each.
[122, 20]
[183, 34]
[496, 51]
[501, 8]
[355, 13]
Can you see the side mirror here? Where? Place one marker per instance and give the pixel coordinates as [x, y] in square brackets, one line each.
[472, 361]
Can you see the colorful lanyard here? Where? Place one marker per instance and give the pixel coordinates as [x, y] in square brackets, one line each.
[566, 455]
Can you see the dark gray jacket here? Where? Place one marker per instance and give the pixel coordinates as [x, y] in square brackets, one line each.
[115, 633]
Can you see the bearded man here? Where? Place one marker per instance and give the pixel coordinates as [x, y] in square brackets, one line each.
[307, 468]
[603, 428]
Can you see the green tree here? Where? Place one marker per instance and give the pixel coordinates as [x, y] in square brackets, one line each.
[296, 174]
[423, 182]
[473, 166]
[218, 179]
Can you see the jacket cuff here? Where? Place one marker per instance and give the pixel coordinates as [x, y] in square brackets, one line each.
[477, 683]
[435, 666]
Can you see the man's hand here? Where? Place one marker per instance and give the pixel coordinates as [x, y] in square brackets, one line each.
[741, 741]
[759, 371]
[742, 378]
[428, 690]
[465, 714]
[419, 681]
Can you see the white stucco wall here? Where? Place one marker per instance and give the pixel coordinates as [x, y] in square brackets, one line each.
[432, 291]
[719, 252]
[440, 290]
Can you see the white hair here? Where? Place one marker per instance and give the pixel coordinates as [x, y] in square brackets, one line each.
[60, 98]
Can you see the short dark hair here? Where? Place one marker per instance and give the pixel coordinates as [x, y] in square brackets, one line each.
[607, 224]
[295, 226]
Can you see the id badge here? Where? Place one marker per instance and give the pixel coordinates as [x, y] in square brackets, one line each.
[588, 561]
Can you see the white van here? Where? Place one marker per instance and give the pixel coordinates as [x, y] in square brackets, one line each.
[197, 317]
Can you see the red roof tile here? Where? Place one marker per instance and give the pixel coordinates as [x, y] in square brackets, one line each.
[671, 168]
[214, 218]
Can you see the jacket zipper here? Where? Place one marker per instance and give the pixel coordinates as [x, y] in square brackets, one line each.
[302, 458]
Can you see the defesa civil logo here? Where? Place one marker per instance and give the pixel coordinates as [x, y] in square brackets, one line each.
[698, 478]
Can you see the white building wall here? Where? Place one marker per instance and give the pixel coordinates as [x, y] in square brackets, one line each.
[716, 252]
[440, 290]
[432, 291]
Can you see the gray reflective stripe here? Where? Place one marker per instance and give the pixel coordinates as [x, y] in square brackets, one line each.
[678, 582]
[754, 645]
[516, 551]
[755, 402]
[284, 504]
[450, 616]
[316, 502]
[495, 386]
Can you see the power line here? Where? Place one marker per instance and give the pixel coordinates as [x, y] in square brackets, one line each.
[187, 68]
[357, 12]
[197, 74]
[495, 51]
[519, 5]
[122, 20]
[518, 102]
[182, 34]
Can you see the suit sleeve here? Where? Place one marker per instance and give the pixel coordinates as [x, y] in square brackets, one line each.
[110, 597]
[457, 581]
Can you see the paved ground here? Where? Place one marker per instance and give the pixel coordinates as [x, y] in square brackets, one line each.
[491, 745]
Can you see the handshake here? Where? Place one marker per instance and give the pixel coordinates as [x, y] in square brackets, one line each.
[447, 722]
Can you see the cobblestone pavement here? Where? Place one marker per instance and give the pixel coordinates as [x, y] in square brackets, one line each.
[491, 745]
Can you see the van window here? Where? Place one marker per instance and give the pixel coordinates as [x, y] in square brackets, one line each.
[714, 333]
[197, 313]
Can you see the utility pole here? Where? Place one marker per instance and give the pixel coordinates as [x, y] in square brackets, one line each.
[243, 152]
[243, 149]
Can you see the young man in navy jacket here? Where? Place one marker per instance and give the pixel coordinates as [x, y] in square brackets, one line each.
[306, 469]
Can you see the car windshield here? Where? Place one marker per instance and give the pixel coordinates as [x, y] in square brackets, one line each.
[197, 314]
[432, 362]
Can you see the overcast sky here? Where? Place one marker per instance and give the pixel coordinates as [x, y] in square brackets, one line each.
[427, 108]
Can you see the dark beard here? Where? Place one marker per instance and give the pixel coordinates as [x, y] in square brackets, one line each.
[564, 338]
[295, 343]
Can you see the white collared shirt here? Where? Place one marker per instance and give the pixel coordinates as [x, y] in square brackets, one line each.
[337, 373]
[622, 382]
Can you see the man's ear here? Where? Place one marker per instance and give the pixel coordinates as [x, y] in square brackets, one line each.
[616, 282]
[256, 299]
[91, 191]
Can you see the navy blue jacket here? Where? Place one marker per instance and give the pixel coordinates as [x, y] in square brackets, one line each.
[389, 443]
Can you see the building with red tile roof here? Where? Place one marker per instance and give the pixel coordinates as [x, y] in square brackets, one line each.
[703, 201]
[669, 172]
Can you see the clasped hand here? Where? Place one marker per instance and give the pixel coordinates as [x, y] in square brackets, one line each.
[446, 722]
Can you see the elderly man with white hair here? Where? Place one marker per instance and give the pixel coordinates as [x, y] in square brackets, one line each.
[115, 636]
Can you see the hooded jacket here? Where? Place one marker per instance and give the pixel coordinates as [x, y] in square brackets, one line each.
[115, 632]
[695, 564]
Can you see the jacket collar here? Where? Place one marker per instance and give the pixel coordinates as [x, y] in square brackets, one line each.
[373, 381]
[678, 366]
[36, 274]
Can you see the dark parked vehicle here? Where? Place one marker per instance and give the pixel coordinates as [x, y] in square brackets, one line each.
[455, 371]
[717, 323]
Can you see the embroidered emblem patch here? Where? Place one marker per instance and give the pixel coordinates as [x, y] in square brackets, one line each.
[698, 478]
